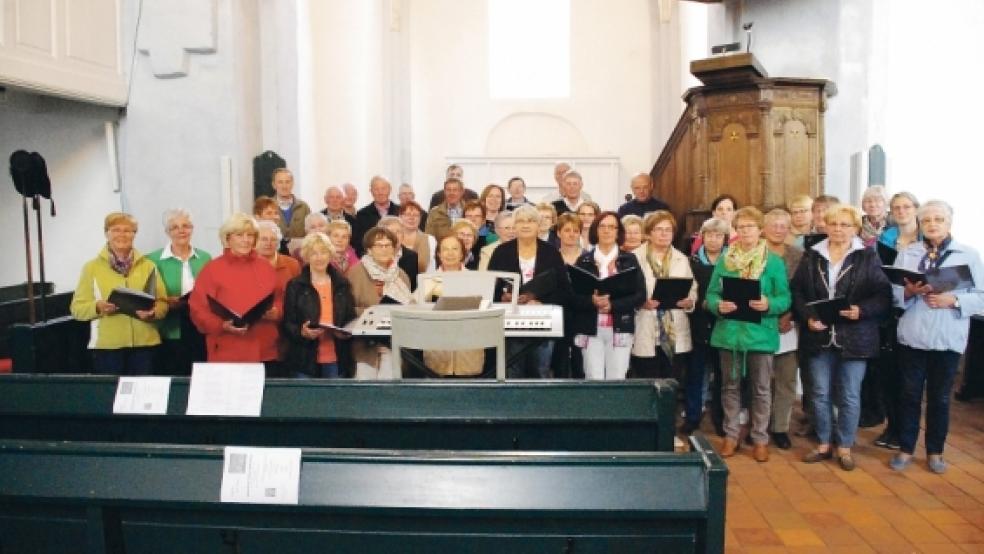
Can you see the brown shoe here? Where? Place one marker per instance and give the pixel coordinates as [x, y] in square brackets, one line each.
[729, 447]
[761, 452]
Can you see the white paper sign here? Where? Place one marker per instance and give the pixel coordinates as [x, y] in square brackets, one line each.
[142, 395]
[788, 341]
[226, 389]
[261, 475]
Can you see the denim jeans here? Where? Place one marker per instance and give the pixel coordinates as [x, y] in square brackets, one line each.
[934, 369]
[327, 371]
[693, 382]
[528, 358]
[833, 375]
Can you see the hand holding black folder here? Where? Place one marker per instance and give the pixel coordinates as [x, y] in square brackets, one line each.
[828, 311]
[243, 320]
[130, 301]
[741, 292]
[671, 290]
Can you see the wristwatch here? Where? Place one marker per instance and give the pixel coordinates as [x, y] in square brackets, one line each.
[956, 303]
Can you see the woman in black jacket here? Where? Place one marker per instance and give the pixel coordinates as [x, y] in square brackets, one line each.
[529, 257]
[312, 348]
[603, 324]
[838, 345]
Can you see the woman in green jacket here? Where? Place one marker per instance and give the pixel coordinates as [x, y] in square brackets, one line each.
[747, 348]
[179, 264]
[120, 344]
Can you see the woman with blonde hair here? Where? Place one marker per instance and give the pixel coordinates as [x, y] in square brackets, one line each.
[319, 297]
[121, 344]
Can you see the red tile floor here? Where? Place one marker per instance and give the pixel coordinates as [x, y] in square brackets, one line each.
[784, 505]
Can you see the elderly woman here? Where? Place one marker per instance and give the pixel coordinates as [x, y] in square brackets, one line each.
[932, 333]
[468, 234]
[587, 212]
[713, 233]
[267, 209]
[267, 239]
[493, 199]
[474, 211]
[375, 276]
[747, 347]
[343, 255]
[724, 208]
[415, 239]
[179, 263]
[406, 259]
[634, 234]
[785, 362]
[239, 280]
[603, 325]
[314, 222]
[517, 193]
[529, 256]
[661, 332]
[548, 224]
[875, 218]
[837, 350]
[448, 363]
[318, 297]
[121, 344]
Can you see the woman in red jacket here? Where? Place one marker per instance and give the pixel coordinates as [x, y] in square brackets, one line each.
[238, 280]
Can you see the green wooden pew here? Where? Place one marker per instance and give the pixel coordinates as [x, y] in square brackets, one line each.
[422, 415]
[101, 498]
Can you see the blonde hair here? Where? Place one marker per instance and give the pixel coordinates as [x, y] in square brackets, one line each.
[237, 223]
[777, 213]
[117, 218]
[339, 224]
[751, 213]
[800, 201]
[657, 217]
[835, 210]
[313, 240]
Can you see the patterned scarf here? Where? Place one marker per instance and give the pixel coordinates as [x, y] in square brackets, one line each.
[664, 319]
[748, 264]
[935, 255]
[121, 266]
[393, 286]
[871, 230]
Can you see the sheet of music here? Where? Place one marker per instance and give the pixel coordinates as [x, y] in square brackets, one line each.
[226, 389]
[142, 395]
[261, 475]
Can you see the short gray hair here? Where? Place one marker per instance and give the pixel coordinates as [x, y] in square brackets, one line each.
[267, 225]
[172, 214]
[632, 219]
[504, 215]
[715, 225]
[877, 191]
[941, 205]
[311, 218]
[388, 219]
[526, 212]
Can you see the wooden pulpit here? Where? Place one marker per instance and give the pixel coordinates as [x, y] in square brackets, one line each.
[757, 138]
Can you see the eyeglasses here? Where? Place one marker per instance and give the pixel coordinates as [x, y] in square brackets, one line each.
[747, 226]
[608, 226]
[182, 227]
[382, 245]
[841, 225]
[937, 219]
[663, 229]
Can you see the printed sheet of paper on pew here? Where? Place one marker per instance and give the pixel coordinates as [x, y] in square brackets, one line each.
[261, 475]
[226, 389]
[142, 395]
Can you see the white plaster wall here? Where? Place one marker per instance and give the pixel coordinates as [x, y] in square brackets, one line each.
[611, 101]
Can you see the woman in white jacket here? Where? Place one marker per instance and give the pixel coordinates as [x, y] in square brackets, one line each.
[661, 332]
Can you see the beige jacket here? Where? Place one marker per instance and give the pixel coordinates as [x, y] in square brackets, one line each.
[646, 326]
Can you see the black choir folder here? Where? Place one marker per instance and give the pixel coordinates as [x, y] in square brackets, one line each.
[330, 328]
[250, 317]
[617, 285]
[670, 290]
[810, 239]
[128, 301]
[741, 292]
[943, 279]
[541, 285]
[828, 311]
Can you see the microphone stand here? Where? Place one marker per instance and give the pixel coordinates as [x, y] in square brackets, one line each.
[32, 318]
[44, 285]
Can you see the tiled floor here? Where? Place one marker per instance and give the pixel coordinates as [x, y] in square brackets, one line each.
[785, 505]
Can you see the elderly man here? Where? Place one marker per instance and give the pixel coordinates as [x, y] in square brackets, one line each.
[406, 259]
[453, 171]
[407, 194]
[370, 214]
[643, 201]
[442, 217]
[351, 197]
[335, 207]
[572, 198]
[505, 229]
[293, 210]
[560, 169]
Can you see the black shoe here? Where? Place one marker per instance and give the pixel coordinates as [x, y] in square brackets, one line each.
[887, 440]
[719, 430]
[870, 421]
[688, 428]
[782, 440]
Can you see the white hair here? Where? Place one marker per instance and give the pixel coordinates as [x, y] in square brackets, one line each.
[311, 218]
[172, 214]
[267, 225]
[941, 205]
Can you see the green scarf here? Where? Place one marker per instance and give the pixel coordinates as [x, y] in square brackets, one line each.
[749, 264]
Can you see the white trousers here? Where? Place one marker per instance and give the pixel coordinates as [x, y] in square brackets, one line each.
[383, 370]
[604, 360]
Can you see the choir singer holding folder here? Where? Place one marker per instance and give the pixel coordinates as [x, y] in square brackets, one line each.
[746, 346]
[121, 344]
[932, 332]
[243, 283]
[839, 272]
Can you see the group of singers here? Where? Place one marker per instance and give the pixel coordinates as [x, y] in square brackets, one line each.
[289, 278]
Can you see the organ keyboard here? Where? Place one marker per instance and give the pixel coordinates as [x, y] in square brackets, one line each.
[539, 320]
